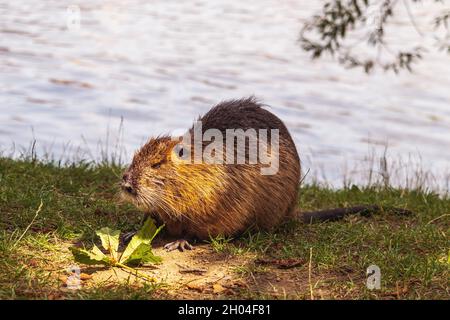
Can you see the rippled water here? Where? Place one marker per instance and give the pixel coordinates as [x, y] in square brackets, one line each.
[160, 64]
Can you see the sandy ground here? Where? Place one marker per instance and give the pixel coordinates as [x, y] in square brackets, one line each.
[203, 273]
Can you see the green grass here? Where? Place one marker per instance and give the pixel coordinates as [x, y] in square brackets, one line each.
[412, 251]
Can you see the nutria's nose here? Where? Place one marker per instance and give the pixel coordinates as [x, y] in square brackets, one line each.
[126, 184]
[128, 188]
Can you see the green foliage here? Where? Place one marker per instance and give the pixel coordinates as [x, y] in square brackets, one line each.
[110, 241]
[138, 251]
[93, 257]
[327, 32]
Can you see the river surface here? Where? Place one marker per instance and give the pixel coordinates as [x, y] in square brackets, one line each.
[159, 64]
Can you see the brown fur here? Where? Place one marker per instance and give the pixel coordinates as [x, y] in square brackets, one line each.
[202, 200]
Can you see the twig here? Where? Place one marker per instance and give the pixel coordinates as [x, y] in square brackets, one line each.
[28, 227]
[433, 220]
[184, 269]
[309, 274]
[135, 272]
[411, 18]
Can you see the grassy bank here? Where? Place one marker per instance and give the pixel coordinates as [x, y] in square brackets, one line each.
[45, 209]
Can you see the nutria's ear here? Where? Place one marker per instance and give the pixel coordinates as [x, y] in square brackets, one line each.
[176, 139]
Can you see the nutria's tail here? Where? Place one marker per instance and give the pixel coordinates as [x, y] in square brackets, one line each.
[339, 213]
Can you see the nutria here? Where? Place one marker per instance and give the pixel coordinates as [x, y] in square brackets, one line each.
[202, 200]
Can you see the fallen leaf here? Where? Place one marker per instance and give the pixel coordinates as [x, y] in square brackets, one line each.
[110, 241]
[139, 249]
[217, 288]
[85, 276]
[137, 252]
[196, 286]
[93, 257]
[63, 279]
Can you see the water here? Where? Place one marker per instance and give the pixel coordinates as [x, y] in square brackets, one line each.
[160, 64]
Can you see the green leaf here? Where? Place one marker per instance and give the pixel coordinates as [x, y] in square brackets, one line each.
[110, 241]
[93, 257]
[137, 252]
[142, 254]
[139, 248]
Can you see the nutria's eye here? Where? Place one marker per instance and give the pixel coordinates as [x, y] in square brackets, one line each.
[156, 165]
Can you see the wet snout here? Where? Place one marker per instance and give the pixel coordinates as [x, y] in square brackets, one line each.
[127, 184]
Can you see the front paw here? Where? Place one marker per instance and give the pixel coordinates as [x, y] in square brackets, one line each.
[178, 244]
